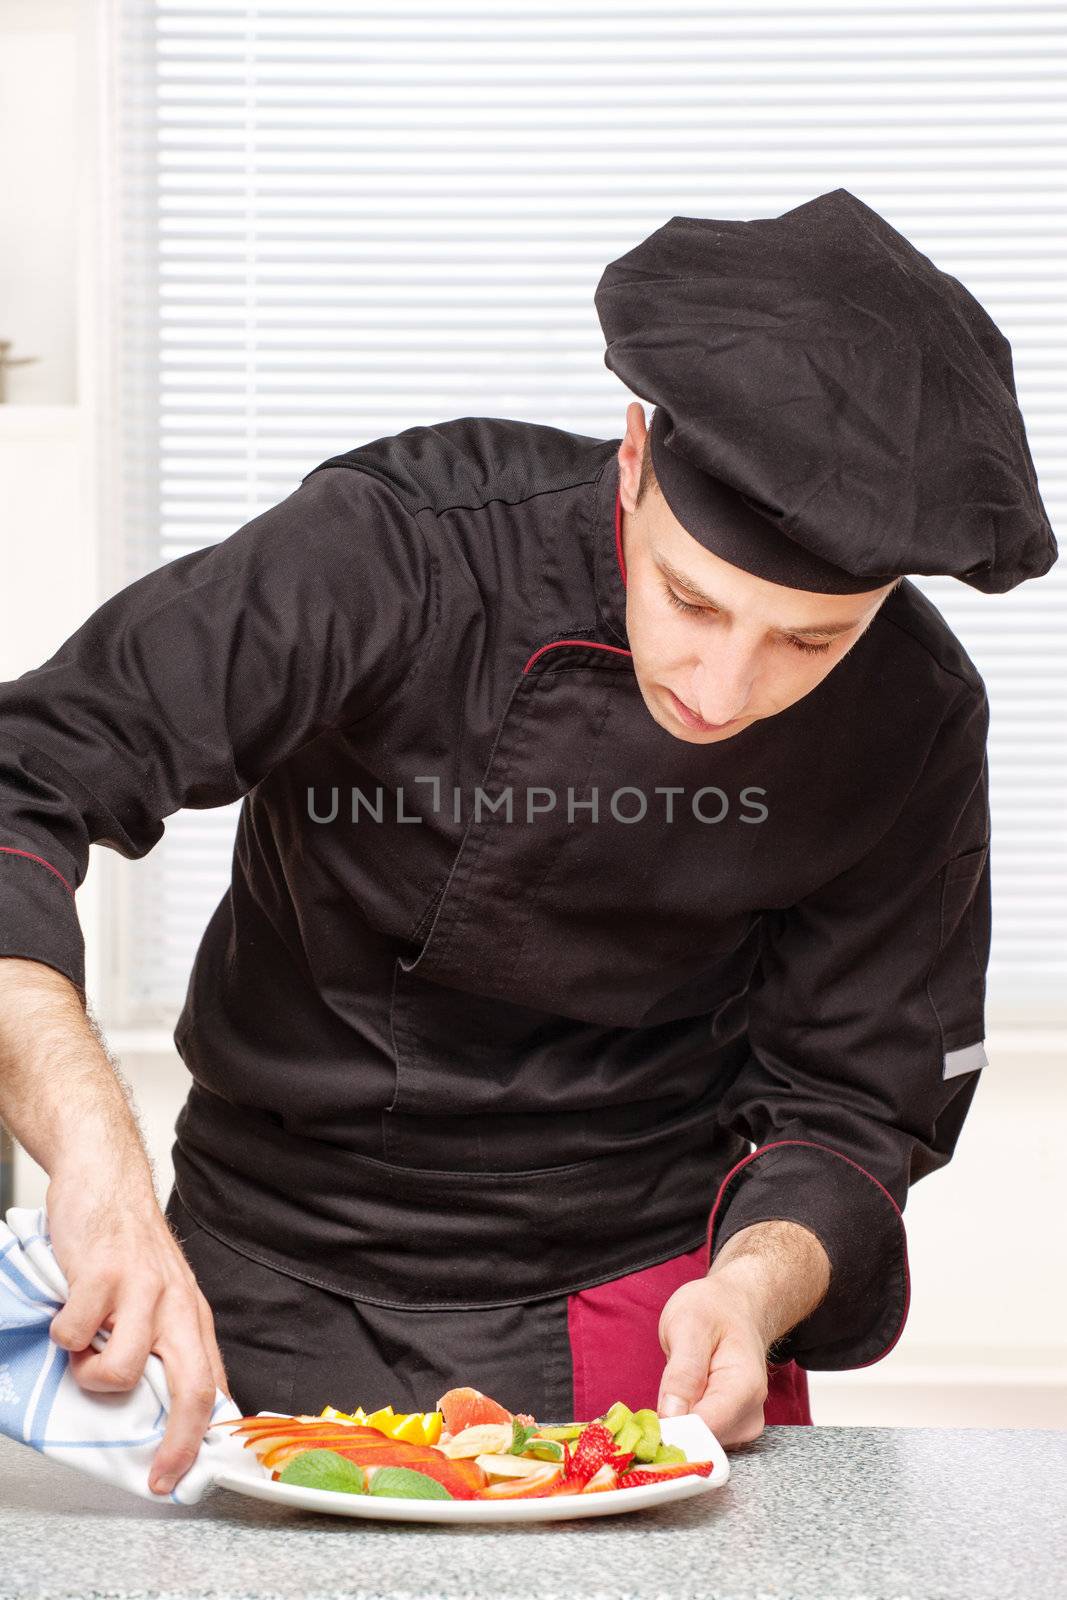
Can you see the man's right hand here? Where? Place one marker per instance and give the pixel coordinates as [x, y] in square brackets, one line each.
[126, 1273]
[65, 1101]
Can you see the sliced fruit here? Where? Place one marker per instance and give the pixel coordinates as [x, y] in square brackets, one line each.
[421, 1429]
[250, 1425]
[367, 1447]
[595, 1446]
[266, 1427]
[605, 1477]
[462, 1479]
[634, 1480]
[533, 1486]
[466, 1408]
[276, 1453]
[616, 1417]
[268, 1447]
[273, 1449]
[417, 1427]
[629, 1436]
[509, 1466]
[667, 1455]
[487, 1438]
[340, 1416]
[564, 1432]
[649, 1439]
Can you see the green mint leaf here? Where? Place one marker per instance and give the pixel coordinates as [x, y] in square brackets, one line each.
[406, 1484]
[325, 1469]
[520, 1436]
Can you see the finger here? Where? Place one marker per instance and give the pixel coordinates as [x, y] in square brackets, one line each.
[120, 1364]
[192, 1396]
[689, 1344]
[210, 1343]
[90, 1302]
[732, 1405]
[741, 1426]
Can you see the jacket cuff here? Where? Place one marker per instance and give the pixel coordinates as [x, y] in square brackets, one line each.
[38, 917]
[858, 1224]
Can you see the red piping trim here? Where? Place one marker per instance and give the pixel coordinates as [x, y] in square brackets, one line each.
[590, 644]
[622, 568]
[809, 1144]
[618, 535]
[11, 851]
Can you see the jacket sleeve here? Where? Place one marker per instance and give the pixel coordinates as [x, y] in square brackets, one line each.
[189, 685]
[866, 1031]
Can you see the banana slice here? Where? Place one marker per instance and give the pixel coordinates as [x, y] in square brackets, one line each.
[509, 1466]
[485, 1438]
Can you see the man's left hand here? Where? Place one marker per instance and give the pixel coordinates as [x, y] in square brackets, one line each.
[716, 1360]
[716, 1331]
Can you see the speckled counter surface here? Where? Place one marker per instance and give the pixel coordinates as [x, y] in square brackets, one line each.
[825, 1513]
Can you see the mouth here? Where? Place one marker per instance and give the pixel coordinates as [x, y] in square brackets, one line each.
[691, 719]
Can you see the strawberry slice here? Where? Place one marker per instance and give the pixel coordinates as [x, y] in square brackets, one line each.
[596, 1445]
[680, 1469]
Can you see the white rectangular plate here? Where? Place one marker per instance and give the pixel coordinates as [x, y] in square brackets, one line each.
[698, 1442]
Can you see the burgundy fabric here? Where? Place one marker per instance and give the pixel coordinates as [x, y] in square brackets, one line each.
[616, 1353]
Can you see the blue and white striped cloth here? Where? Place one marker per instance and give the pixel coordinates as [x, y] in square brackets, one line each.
[113, 1436]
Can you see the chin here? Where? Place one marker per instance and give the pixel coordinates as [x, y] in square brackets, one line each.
[710, 736]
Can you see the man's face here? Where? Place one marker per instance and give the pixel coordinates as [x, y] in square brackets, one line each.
[711, 643]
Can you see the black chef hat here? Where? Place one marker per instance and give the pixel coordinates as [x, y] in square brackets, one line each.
[832, 410]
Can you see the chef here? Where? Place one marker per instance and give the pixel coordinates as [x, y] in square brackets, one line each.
[610, 897]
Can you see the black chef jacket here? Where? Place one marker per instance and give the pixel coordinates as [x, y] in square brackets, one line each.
[444, 1055]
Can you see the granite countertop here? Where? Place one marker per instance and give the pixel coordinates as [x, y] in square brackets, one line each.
[827, 1513]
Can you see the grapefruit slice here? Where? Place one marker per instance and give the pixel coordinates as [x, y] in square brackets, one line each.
[467, 1408]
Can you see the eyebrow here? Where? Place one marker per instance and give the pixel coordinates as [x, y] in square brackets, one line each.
[827, 630]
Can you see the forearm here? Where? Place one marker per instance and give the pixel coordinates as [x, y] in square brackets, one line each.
[779, 1269]
[60, 1094]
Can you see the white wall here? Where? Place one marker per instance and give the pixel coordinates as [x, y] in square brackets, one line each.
[38, 213]
[52, 299]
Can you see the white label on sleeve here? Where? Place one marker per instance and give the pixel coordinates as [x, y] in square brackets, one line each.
[970, 1059]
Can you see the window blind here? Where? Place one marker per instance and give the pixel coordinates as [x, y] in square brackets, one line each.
[340, 220]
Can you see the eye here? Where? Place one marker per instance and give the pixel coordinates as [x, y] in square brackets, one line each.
[808, 649]
[694, 611]
[684, 605]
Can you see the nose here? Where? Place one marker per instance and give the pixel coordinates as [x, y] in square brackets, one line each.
[721, 686]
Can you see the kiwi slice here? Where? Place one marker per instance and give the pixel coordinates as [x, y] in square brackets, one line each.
[650, 1437]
